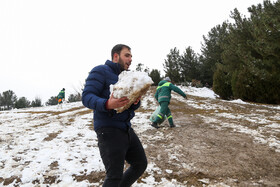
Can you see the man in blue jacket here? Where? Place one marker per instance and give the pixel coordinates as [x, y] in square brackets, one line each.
[117, 140]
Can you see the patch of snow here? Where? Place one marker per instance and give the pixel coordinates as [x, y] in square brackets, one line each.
[201, 92]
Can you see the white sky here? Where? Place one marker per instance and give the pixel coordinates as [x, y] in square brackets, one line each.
[49, 45]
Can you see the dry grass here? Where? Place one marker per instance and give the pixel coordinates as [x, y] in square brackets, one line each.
[40, 125]
[54, 112]
[52, 136]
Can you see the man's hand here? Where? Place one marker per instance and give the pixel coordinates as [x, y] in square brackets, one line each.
[113, 102]
[137, 100]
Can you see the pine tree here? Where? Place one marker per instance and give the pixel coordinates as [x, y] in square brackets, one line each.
[22, 103]
[222, 82]
[172, 65]
[8, 99]
[155, 75]
[75, 97]
[52, 101]
[251, 54]
[139, 67]
[37, 102]
[189, 65]
[1, 102]
[265, 30]
[211, 52]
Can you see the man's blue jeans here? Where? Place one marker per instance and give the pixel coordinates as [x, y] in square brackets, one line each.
[117, 146]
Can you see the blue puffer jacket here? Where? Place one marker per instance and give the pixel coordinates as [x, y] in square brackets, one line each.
[97, 92]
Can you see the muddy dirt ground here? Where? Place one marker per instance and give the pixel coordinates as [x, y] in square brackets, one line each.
[207, 153]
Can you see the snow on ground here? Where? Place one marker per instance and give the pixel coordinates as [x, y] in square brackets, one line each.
[200, 92]
[32, 142]
[37, 143]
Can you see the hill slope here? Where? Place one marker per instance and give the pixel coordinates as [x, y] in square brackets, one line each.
[215, 143]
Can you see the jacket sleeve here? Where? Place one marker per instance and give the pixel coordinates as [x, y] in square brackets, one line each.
[93, 89]
[177, 90]
[156, 95]
[135, 107]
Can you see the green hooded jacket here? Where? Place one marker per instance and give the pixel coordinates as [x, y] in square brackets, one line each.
[164, 89]
[61, 94]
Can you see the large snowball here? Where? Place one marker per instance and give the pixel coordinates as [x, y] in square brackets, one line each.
[131, 85]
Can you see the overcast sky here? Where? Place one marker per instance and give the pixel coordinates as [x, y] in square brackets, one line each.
[53, 44]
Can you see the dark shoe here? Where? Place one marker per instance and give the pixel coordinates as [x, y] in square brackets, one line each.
[171, 126]
[155, 125]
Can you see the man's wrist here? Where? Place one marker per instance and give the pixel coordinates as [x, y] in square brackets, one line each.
[107, 105]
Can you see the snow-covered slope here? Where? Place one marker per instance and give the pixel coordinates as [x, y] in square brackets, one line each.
[52, 146]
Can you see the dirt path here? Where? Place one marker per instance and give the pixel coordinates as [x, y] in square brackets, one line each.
[209, 148]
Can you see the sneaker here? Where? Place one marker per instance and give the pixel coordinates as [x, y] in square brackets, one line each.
[171, 126]
[155, 125]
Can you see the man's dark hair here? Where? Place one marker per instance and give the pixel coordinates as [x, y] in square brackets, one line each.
[117, 49]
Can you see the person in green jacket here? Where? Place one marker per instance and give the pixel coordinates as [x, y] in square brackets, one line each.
[163, 96]
[61, 96]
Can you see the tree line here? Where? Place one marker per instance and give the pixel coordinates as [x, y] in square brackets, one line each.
[9, 100]
[239, 60]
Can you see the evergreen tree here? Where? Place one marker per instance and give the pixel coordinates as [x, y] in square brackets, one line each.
[265, 55]
[72, 98]
[8, 99]
[52, 101]
[139, 67]
[222, 82]
[172, 65]
[251, 54]
[1, 102]
[211, 52]
[189, 65]
[37, 102]
[155, 75]
[22, 103]
[75, 97]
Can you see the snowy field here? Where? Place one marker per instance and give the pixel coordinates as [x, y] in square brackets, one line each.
[52, 146]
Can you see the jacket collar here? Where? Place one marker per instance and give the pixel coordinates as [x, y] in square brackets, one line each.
[162, 82]
[116, 67]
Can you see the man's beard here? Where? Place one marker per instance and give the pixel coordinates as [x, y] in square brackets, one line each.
[121, 62]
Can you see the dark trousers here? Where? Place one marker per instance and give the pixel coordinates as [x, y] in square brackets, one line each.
[116, 146]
